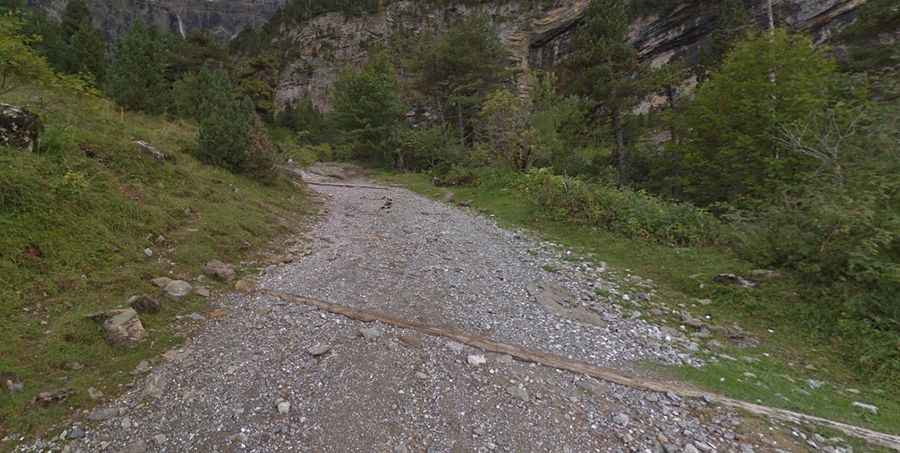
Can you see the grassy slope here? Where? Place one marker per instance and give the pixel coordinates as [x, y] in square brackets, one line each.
[789, 353]
[89, 219]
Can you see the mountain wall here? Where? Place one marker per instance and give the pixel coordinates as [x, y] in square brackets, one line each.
[224, 18]
[538, 35]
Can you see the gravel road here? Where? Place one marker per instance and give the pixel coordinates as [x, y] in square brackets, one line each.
[273, 376]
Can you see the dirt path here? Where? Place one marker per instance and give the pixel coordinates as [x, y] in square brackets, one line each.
[276, 376]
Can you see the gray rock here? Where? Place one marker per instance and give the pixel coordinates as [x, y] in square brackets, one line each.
[19, 128]
[621, 419]
[160, 439]
[765, 274]
[94, 394]
[814, 384]
[519, 392]
[866, 407]
[371, 333]
[14, 385]
[319, 349]
[154, 387]
[746, 448]
[177, 289]
[161, 282]
[106, 413]
[455, 347]
[144, 304]
[197, 317]
[76, 432]
[123, 327]
[735, 280]
[219, 270]
[151, 151]
[283, 407]
[476, 359]
[143, 367]
[690, 448]
[202, 291]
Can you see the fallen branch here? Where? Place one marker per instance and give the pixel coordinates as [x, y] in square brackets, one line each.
[606, 374]
[353, 186]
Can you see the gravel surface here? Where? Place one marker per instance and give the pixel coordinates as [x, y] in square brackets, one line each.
[275, 376]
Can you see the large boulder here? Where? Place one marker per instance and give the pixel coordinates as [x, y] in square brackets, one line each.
[19, 128]
[123, 327]
[219, 270]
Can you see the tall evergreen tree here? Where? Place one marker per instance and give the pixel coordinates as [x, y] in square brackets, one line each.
[136, 77]
[605, 68]
[78, 48]
[459, 68]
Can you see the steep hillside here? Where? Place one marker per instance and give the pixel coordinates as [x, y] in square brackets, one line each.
[88, 220]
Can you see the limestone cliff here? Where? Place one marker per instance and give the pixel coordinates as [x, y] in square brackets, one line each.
[224, 18]
[538, 35]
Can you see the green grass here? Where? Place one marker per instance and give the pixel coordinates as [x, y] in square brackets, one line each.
[790, 350]
[74, 222]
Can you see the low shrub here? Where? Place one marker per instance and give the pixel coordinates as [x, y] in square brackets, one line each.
[454, 175]
[632, 213]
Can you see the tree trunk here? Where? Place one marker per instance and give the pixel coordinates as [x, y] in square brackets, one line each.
[460, 124]
[620, 146]
[670, 95]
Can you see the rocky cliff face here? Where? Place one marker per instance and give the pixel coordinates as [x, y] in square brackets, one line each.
[224, 18]
[538, 36]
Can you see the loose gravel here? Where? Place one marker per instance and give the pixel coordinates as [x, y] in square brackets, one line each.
[275, 376]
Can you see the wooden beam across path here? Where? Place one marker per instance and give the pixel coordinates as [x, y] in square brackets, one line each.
[584, 368]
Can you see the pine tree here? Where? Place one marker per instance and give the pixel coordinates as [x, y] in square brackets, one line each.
[137, 75]
[367, 107]
[79, 48]
[459, 68]
[604, 67]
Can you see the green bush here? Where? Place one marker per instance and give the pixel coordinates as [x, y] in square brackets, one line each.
[199, 94]
[305, 155]
[422, 148]
[631, 213]
[136, 77]
[233, 137]
[825, 234]
[455, 175]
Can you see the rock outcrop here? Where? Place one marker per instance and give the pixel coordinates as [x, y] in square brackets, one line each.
[224, 18]
[537, 37]
[19, 128]
[538, 34]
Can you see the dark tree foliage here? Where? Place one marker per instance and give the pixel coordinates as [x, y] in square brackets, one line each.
[233, 137]
[367, 108]
[198, 94]
[306, 120]
[733, 21]
[71, 46]
[604, 67]
[457, 69]
[136, 76]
